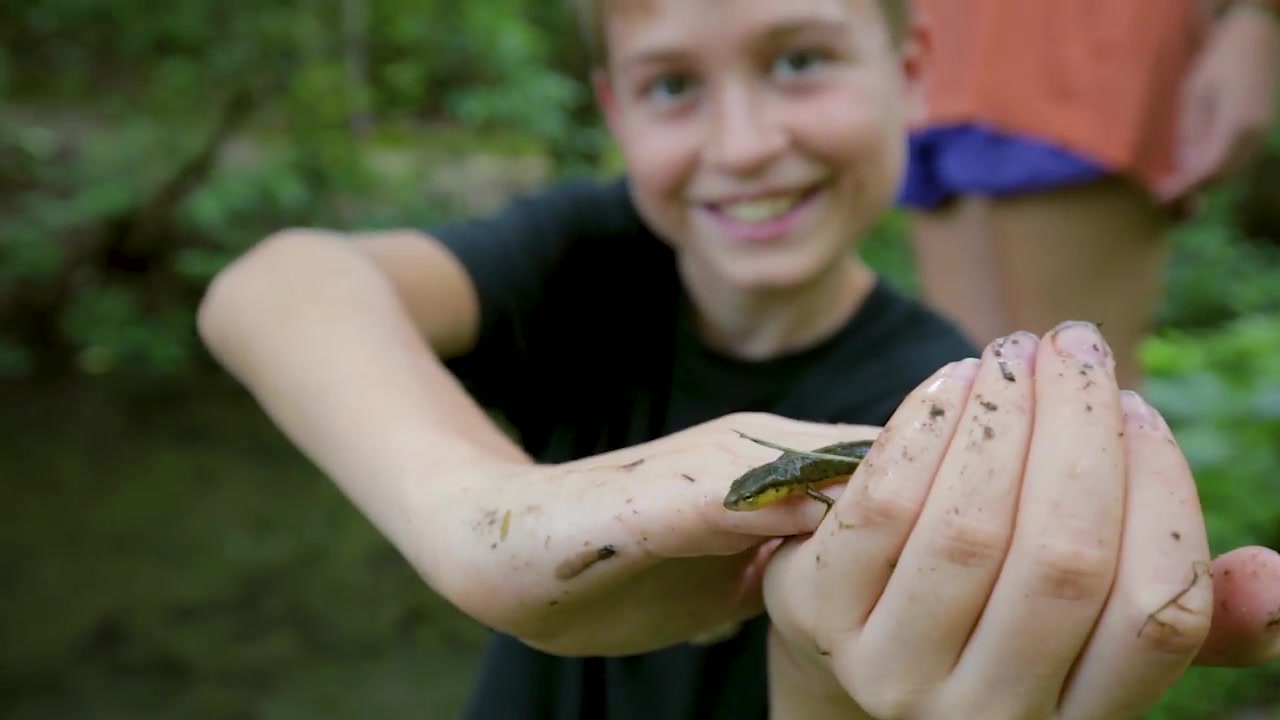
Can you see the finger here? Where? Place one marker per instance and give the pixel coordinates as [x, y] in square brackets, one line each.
[795, 515]
[1246, 143]
[1160, 607]
[1065, 545]
[1210, 157]
[1198, 134]
[824, 587]
[954, 555]
[1246, 614]
[1228, 150]
[1186, 181]
[855, 549]
[679, 512]
[1176, 189]
[1194, 118]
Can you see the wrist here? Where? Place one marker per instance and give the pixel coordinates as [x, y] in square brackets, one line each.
[539, 553]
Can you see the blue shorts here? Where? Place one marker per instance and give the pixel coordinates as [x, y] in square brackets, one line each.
[946, 161]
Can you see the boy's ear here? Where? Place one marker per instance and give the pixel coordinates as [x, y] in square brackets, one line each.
[604, 93]
[916, 57]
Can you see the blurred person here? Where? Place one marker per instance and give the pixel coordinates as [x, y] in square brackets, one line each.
[1061, 140]
[629, 328]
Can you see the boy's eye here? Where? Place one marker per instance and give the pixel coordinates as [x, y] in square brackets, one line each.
[669, 87]
[797, 62]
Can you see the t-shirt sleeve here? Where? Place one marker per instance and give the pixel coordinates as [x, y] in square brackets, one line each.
[534, 265]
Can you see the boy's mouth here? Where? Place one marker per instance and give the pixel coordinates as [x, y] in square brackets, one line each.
[763, 218]
[762, 209]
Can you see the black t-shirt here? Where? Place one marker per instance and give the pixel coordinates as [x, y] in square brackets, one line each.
[587, 345]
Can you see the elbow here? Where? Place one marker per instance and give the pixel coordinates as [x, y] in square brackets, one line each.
[245, 287]
[211, 312]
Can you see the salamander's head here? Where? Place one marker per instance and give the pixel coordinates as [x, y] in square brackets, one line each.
[739, 501]
[744, 499]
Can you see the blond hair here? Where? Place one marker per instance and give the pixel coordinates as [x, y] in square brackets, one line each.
[591, 16]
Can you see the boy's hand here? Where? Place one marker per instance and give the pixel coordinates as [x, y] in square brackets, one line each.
[1023, 541]
[627, 551]
[1228, 102]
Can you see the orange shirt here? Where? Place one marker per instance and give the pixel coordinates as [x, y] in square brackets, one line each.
[1099, 77]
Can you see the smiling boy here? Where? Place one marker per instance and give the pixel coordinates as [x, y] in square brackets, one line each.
[760, 140]
[624, 328]
[719, 277]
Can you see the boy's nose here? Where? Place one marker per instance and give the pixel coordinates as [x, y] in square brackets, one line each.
[744, 137]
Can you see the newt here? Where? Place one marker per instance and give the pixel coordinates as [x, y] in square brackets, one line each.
[795, 472]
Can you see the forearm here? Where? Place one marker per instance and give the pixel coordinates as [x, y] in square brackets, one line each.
[316, 334]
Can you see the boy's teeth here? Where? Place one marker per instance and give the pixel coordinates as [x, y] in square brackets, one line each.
[754, 211]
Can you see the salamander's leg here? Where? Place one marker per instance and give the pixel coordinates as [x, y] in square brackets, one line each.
[820, 496]
[793, 451]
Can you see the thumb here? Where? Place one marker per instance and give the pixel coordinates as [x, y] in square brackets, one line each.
[1246, 611]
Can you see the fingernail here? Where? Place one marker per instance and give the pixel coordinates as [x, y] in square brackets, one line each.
[1018, 347]
[1137, 408]
[1081, 340]
[1142, 411]
[964, 370]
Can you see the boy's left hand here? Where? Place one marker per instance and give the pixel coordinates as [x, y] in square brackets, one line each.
[1228, 102]
[1023, 541]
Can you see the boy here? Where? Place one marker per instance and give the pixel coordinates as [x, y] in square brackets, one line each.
[624, 328]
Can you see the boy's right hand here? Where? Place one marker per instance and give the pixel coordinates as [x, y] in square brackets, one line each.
[612, 554]
[631, 550]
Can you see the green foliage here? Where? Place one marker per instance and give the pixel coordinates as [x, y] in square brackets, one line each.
[112, 331]
[1215, 274]
[519, 78]
[885, 248]
[109, 222]
[1220, 392]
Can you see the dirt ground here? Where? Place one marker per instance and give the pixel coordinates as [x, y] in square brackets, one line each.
[165, 554]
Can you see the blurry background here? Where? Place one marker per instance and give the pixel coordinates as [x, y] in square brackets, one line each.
[164, 553]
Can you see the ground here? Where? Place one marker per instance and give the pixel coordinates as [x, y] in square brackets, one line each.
[166, 553]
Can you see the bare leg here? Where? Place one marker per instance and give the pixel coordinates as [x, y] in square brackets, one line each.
[957, 268]
[1096, 252]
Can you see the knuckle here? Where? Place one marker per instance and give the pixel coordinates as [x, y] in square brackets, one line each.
[1175, 631]
[884, 503]
[967, 542]
[1180, 626]
[1071, 572]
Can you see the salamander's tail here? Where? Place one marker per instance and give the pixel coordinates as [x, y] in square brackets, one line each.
[793, 451]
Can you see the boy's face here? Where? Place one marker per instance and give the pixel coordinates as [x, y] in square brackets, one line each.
[761, 137]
